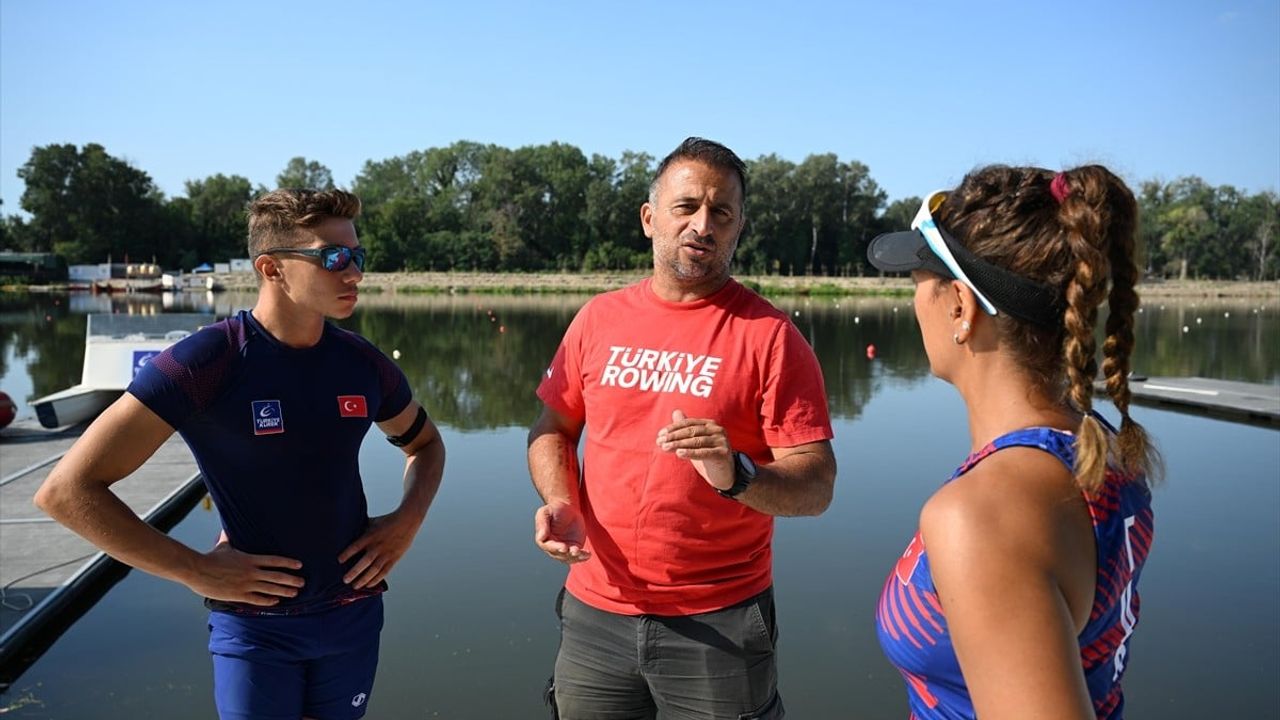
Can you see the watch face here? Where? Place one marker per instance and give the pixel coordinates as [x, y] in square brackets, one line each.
[748, 465]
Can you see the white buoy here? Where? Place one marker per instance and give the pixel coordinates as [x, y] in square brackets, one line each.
[856, 319]
[797, 313]
[1198, 321]
[1185, 328]
[395, 354]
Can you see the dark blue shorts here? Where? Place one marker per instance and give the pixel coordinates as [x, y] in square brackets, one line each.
[291, 666]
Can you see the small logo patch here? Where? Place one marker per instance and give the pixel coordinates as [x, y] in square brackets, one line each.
[358, 700]
[352, 406]
[141, 358]
[268, 419]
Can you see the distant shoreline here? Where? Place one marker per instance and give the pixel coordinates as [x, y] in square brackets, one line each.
[578, 283]
[490, 283]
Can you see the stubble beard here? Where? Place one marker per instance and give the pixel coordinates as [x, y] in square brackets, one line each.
[694, 271]
[690, 270]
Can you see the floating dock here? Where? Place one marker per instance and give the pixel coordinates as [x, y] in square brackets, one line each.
[1245, 402]
[49, 575]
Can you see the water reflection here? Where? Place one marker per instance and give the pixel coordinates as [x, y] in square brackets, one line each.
[475, 360]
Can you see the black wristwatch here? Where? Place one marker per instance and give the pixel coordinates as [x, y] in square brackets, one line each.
[744, 471]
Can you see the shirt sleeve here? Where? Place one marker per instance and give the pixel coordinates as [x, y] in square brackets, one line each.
[561, 386]
[794, 408]
[396, 392]
[184, 379]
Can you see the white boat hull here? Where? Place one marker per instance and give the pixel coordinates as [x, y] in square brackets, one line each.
[116, 348]
[74, 405]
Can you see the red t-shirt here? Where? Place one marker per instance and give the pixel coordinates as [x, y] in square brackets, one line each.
[663, 541]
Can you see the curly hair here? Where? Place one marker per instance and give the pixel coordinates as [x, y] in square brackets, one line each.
[274, 218]
[1081, 241]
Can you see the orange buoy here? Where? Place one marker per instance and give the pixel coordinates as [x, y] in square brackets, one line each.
[871, 352]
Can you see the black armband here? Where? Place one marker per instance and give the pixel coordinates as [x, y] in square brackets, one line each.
[412, 432]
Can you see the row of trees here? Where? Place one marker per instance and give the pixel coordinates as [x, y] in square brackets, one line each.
[470, 206]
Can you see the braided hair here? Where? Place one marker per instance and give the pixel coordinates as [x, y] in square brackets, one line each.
[1074, 231]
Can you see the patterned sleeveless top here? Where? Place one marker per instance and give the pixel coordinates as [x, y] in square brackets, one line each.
[913, 629]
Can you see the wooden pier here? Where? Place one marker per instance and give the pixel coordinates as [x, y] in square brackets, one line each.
[49, 575]
[1244, 402]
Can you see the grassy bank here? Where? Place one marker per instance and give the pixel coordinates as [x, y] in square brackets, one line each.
[565, 283]
[480, 283]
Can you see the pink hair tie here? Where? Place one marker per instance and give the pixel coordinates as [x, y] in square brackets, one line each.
[1058, 187]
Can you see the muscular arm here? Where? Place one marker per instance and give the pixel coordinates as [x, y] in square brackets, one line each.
[553, 465]
[997, 551]
[77, 493]
[389, 536]
[799, 481]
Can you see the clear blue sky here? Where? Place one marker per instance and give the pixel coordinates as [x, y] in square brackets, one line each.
[918, 91]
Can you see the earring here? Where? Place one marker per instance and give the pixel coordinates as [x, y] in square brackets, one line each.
[964, 325]
[955, 338]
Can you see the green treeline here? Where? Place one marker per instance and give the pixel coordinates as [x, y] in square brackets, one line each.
[549, 207]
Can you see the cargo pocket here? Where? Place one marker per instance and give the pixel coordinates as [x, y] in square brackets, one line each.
[771, 710]
[549, 697]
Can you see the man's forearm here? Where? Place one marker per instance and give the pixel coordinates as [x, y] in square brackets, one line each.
[798, 484]
[553, 465]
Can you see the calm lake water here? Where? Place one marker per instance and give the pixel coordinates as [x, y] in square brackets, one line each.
[471, 631]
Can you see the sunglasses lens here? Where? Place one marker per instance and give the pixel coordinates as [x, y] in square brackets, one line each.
[337, 258]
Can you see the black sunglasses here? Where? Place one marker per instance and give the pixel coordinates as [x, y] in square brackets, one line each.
[334, 258]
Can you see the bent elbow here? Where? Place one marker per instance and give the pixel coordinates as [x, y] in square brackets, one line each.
[46, 497]
[56, 495]
[823, 501]
[823, 497]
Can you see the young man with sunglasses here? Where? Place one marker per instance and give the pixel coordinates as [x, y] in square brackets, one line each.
[705, 416]
[274, 404]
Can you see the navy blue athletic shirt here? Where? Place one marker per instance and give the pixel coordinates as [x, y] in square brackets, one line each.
[276, 431]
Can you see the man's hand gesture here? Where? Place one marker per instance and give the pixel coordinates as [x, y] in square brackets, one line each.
[558, 528]
[702, 442]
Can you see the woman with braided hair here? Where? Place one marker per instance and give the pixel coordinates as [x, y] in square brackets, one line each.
[1018, 594]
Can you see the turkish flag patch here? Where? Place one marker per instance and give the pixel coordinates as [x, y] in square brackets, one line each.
[352, 406]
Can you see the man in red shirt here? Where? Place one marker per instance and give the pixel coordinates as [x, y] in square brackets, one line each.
[707, 416]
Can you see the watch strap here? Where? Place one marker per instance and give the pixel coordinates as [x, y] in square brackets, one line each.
[741, 478]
